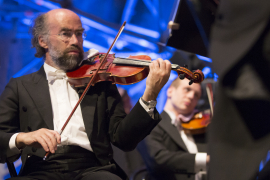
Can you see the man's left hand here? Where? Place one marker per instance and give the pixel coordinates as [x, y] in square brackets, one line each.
[157, 78]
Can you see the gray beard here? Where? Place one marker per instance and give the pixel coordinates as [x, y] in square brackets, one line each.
[65, 61]
[68, 62]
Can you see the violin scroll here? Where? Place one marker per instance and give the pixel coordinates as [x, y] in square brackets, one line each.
[194, 77]
[198, 76]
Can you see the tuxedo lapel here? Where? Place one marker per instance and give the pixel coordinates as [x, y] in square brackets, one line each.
[171, 130]
[38, 90]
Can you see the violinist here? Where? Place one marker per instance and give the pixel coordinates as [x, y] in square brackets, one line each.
[34, 107]
[169, 153]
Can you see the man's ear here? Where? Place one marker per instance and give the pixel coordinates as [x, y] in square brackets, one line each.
[42, 42]
[170, 91]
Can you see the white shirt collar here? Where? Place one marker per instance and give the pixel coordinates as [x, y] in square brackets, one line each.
[48, 68]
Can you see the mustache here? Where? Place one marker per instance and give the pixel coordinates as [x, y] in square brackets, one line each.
[73, 48]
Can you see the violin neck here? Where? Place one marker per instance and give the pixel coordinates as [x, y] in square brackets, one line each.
[137, 62]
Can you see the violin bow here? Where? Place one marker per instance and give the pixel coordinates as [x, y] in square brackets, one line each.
[90, 83]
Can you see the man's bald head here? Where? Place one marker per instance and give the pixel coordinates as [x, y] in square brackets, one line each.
[59, 11]
[44, 22]
[60, 15]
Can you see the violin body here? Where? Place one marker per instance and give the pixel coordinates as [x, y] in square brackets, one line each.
[109, 71]
[197, 124]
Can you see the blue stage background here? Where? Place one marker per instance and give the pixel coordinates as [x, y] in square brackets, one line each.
[145, 33]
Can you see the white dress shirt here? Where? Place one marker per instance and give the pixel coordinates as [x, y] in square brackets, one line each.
[63, 99]
[200, 157]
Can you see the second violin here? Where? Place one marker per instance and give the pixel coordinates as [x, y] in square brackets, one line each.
[198, 123]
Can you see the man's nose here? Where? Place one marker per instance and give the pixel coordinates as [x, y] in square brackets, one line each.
[191, 95]
[74, 39]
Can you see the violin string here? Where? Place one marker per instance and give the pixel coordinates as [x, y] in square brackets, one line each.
[130, 61]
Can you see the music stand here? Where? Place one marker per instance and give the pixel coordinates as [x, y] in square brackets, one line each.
[190, 29]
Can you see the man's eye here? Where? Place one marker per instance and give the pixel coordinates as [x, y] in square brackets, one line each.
[66, 34]
[79, 34]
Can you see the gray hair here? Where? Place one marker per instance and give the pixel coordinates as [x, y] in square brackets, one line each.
[39, 28]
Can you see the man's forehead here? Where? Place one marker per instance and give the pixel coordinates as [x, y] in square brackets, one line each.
[193, 86]
[61, 26]
[69, 29]
[185, 83]
[63, 19]
[62, 13]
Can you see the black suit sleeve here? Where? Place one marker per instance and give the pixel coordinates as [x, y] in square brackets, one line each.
[163, 156]
[9, 116]
[127, 131]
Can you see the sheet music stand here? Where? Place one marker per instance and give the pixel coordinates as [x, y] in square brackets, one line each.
[191, 27]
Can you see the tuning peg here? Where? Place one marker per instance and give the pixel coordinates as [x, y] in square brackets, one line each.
[185, 66]
[191, 82]
[182, 76]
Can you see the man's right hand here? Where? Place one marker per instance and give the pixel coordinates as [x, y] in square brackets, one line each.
[45, 138]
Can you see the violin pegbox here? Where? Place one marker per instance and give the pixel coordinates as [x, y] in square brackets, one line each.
[182, 76]
[195, 77]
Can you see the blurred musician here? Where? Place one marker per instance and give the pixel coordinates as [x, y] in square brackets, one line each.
[170, 153]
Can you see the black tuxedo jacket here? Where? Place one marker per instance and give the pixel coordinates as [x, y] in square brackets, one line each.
[165, 153]
[239, 133]
[25, 106]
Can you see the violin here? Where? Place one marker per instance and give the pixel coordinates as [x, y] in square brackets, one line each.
[198, 123]
[123, 71]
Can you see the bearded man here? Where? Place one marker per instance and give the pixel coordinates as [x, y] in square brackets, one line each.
[34, 107]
